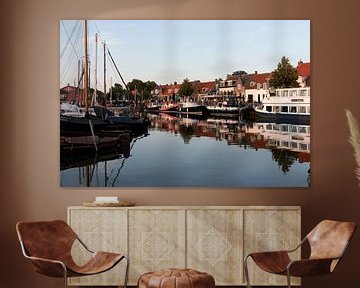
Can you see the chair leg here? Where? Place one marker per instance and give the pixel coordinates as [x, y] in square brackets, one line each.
[127, 271]
[65, 275]
[288, 278]
[246, 272]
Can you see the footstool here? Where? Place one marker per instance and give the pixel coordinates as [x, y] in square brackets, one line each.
[176, 278]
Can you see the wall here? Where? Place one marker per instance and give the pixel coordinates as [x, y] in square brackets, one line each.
[29, 119]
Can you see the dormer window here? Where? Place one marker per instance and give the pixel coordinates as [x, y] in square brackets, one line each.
[258, 86]
[264, 85]
[252, 84]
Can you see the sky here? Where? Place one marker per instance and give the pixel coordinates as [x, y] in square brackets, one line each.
[166, 51]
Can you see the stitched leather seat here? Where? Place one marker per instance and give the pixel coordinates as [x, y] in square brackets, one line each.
[176, 278]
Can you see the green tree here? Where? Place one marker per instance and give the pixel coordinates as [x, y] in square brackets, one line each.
[136, 84]
[186, 89]
[284, 76]
[148, 87]
[239, 73]
[117, 92]
[143, 88]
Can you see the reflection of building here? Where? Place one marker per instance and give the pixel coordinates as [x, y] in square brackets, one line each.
[284, 136]
[293, 138]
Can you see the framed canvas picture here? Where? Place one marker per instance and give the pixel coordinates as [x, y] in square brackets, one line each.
[184, 103]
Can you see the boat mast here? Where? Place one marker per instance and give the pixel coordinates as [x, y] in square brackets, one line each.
[86, 84]
[111, 91]
[105, 72]
[96, 55]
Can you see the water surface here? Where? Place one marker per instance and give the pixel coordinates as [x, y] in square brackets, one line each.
[184, 152]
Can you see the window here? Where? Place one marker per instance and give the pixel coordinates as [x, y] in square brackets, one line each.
[302, 109]
[276, 109]
[308, 109]
[293, 109]
[294, 93]
[285, 144]
[264, 85]
[284, 109]
[303, 146]
[268, 108]
[293, 128]
[285, 93]
[284, 128]
[302, 129]
[303, 92]
[258, 86]
[294, 145]
[276, 127]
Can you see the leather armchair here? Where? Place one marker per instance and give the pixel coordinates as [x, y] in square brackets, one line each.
[48, 245]
[328, 242]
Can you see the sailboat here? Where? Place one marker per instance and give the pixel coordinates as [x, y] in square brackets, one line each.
[95, 121]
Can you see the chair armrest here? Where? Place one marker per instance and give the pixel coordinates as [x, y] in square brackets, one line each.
[309, 267]
[298, 246]
[84, 245]
[48, 267]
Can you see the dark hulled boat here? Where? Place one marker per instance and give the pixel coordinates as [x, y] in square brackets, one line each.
[193, 108]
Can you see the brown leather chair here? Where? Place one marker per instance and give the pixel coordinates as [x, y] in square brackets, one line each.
[328, 242]
[48, 245]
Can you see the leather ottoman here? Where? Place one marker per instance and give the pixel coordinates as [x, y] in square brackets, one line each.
[176, 278]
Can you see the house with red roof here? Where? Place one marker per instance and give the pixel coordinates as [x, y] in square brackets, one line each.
[205, 88]
[230, 86]
[170, 92]
[255, 86]
[72, 94]
[303, 70]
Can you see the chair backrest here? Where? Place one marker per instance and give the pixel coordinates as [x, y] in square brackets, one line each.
[46, 239]
[329, 239]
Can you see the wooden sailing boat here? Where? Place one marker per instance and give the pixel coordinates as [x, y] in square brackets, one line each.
[100, 120]
[86, 132]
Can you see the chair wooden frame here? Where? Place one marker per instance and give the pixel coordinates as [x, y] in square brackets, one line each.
[58, 268]
[314, 265]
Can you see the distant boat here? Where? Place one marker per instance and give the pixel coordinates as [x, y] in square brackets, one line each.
[192, 108]
[153, 107]
[169, 108]
[289, 105]
[223, 109]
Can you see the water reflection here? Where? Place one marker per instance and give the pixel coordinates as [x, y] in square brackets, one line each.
[289, 137]
[201, 159]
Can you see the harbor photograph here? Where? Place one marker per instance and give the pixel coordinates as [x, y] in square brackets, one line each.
[184, 103]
